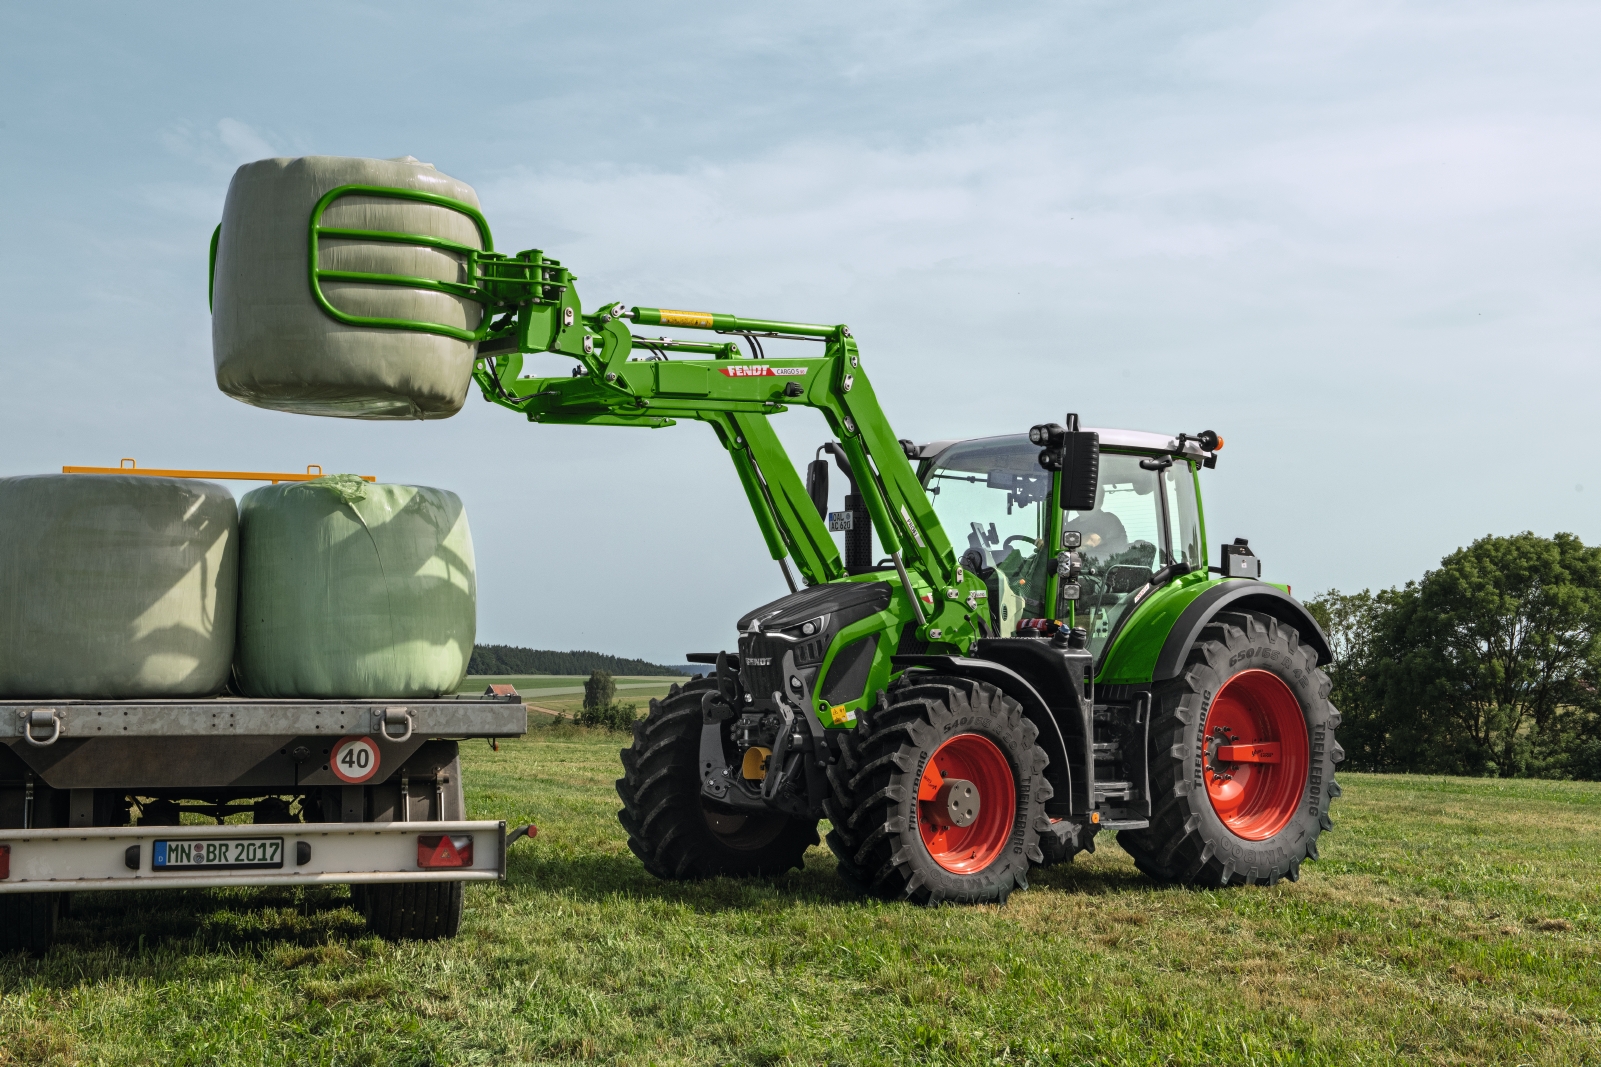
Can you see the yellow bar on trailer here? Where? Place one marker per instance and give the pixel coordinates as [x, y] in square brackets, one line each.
[130, 466]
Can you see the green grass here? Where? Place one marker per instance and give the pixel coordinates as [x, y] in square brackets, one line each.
[1449, 921]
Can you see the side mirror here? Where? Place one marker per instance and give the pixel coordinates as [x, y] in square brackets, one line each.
[817, 485]
[1077, 454]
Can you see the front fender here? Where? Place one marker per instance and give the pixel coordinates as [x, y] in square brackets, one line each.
[1060, 770]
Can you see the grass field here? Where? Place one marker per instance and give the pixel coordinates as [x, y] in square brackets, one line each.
[1449, 921]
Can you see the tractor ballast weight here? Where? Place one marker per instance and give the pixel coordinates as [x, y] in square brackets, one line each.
[951, 741]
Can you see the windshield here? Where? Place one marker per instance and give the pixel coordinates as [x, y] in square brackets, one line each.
[992, 493]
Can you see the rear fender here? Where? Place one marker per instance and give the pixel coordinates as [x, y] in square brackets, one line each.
[1151, 646]
[1241, 594]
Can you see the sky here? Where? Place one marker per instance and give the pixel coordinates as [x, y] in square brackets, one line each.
[1358, 239]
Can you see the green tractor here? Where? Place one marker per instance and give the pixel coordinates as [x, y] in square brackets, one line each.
[959, 713]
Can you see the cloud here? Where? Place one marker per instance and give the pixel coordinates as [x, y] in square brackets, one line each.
[221, 147]
[243, 142]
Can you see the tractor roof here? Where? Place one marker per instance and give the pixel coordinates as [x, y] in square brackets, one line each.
[1138, 440]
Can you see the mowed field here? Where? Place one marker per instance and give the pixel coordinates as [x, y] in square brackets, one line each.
[1448, 922]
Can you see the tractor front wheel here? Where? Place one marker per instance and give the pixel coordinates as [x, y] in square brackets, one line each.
[1242, 759]
[949, 802]
[670, 829]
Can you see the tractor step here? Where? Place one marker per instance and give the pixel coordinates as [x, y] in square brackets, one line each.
[1114, 791]
[1124, 824]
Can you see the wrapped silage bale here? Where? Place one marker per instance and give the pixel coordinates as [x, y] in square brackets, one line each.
[275, 347]
[116, 586]
[349, 589]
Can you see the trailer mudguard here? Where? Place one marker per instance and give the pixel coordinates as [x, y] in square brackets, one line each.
[1241, 594]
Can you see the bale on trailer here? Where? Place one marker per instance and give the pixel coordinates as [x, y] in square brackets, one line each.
[116, 586]
[353, 590]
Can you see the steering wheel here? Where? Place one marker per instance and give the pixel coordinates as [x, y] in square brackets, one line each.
[1019, 537]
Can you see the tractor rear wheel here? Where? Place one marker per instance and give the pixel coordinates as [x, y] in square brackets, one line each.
[674, 834]
[948, 803]
[1242, 759]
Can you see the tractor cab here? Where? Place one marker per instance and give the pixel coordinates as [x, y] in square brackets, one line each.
[1147, 516]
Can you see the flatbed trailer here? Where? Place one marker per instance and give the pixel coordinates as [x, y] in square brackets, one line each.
[93, 795]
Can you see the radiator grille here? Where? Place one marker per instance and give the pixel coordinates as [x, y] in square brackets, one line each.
[762, 680]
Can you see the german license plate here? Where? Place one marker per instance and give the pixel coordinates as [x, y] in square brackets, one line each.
[219, 854]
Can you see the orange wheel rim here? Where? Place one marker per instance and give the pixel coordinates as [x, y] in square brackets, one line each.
[1255, 756]
[976, 761]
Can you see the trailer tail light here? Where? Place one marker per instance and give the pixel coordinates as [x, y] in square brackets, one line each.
[5, 862]
[445, 850]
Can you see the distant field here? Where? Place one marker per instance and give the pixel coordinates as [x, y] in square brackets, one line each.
[1450, 921]
[564, 693]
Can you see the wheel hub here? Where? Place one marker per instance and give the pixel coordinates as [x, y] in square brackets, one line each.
[1255, 754]
[956, 803]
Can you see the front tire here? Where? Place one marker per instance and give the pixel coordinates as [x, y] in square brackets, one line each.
[948, 803]
[673, 833]
[1242, 759]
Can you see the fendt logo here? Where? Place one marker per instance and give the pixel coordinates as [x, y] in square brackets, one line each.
[761, 370]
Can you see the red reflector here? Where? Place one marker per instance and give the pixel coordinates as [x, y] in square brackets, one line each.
[443, 850]
[5, 862]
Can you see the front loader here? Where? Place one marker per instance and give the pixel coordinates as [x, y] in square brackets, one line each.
[957, 712]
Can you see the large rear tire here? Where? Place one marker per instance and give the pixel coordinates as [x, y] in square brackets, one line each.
[1242, 759]
[949, 800]
[672, 832]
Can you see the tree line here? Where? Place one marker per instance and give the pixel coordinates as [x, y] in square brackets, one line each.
[1489, 665]
[510, 659]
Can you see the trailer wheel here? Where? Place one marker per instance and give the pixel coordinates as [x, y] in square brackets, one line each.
[413, 911]
[418, 911]
[674, 835]
[951, 794]
[28, 921]
[1242, 759]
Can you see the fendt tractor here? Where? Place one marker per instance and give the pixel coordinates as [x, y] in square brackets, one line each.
[958, 714]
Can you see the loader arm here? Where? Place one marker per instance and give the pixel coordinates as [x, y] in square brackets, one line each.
[628, 380]
[531, 305]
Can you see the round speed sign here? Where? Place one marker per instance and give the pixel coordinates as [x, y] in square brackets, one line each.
[354, 759]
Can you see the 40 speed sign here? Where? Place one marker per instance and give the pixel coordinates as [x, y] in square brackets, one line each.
[354, 759]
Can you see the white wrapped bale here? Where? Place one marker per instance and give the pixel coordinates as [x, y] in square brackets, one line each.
[275, 347]
[354, 590]
[116, 586]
